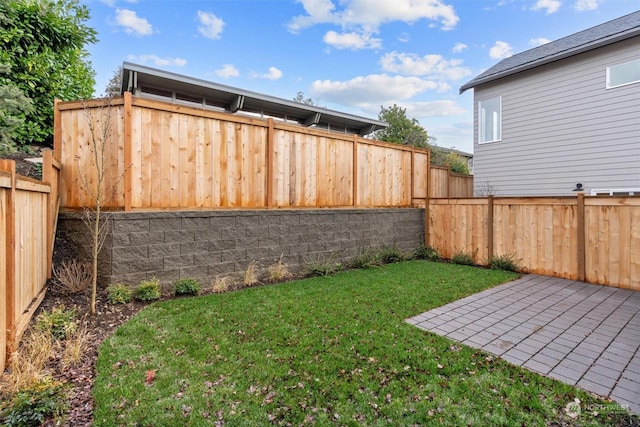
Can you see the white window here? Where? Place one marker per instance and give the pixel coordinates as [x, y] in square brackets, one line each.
[490, 120]
[623, 74]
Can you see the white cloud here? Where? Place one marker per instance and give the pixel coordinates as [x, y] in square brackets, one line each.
[132, 23]
[459, 47]
[353, 41]
[368, 15]
[227, 71]
[539, 41]
[434, 66]
[273, 74]
[549, 6]
[158, 61]
[585, 5]
[404, 38]
[375, 88]
[439, 108]
[211, 26]
[500, 50]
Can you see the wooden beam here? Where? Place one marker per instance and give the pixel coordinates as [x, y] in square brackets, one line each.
[270, 155]
[581, 238]
[57, 130]
[10, 269]
[427, 201]
[128, 152]
[355, 171]
[489, 226]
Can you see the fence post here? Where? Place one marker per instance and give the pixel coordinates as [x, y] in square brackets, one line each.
[581, 238]
[57, 130]
[47, 177]
[10, 268]
[355, 170]
[128, 153]
[489, 226]
[270, 155]
[427, 178]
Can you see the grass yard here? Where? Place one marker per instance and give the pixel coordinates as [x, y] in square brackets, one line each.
[325, 350]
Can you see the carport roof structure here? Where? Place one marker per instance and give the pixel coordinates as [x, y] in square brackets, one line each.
[149, 82]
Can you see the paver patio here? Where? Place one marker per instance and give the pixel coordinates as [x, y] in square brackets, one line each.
[582, 334]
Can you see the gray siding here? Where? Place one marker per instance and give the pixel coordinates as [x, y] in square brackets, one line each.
[561, 126]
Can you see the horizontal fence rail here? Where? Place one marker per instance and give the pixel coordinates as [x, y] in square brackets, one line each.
[593, 239]
[28, 215]
[163, 156]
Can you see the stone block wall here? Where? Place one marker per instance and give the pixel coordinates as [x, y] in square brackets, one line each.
[207, 244]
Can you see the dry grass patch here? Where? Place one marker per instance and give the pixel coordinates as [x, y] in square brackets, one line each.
[221, 284]
[279, 271]
[251, 274]
[73, 276]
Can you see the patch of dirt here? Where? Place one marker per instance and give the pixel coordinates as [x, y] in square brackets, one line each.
[100, 326]
[25, 167]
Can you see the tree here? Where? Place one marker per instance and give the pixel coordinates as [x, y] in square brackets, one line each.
[13, 107]
[113, 86]
[401, 129]
[43, 41]
[93, 181]
[300, 97]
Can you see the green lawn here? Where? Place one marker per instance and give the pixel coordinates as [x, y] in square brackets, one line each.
[326, 350]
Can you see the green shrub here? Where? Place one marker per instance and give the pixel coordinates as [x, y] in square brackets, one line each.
[322, 267]
[427, 253]
[390, 254]
[35, 404]
[462, 259]
[503, 262]
[186, 287]
[366, 259]
[147, 290]
[119, 294]
[60, 322]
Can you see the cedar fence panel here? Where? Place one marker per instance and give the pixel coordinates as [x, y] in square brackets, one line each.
[165, 156]
[28, 214]
[595, 239]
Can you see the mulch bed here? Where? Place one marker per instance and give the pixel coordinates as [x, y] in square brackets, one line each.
[100, 325]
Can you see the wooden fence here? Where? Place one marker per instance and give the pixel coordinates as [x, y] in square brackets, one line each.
[28, 217]
[593, 239]
[445, 184]
[161, 155]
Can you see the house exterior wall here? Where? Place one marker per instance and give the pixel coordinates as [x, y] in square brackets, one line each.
[561, 126]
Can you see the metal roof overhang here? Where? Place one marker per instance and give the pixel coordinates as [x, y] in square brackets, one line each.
[142, 80]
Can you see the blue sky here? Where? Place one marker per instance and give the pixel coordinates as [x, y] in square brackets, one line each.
[348, 55]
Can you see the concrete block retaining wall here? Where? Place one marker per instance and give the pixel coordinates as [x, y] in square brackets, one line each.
[207, 244]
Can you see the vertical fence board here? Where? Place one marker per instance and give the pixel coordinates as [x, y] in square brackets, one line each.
[3, 274]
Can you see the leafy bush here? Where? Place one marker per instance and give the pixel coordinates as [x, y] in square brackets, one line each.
[147, 290]
[119, 294]
[186, 287]
[59, 322]
[503, 262]
[34, 405]
[462, 259]
[427, 253]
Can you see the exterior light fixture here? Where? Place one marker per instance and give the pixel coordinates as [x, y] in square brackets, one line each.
[578, 187]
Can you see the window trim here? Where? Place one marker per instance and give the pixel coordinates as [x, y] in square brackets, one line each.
[608, 80]
[481, 123]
